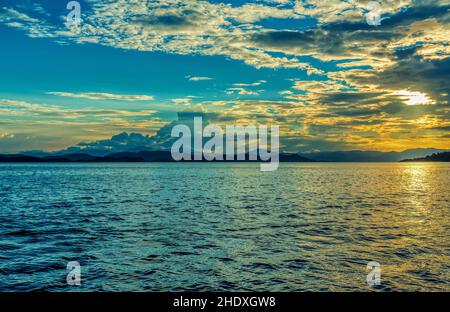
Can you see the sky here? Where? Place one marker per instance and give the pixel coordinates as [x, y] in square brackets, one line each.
[334, 75]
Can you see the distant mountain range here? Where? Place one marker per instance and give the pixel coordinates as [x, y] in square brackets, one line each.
[371, 156]
[143, 156]
[443, 157]
[165, 156]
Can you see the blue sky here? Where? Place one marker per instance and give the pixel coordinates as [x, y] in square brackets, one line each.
[319, 70]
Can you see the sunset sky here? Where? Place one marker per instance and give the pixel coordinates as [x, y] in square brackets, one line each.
[316, 68]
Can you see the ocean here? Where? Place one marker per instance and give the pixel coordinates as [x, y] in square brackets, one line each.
[225, 226]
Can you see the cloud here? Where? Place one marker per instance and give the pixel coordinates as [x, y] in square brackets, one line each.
[183, 101]
[6, 135]
[350, 11]
[241, 91]
[242, 88]
[18, 109]
[10, 14]
[190, 78]
[254, 84]
[418, 74]
[123, 142]
[105, 96]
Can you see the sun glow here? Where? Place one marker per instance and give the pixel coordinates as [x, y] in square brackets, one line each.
[414, 98]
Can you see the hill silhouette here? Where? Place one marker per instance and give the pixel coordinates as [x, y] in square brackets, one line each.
[437, 157]
[371, 156]
[143, 156]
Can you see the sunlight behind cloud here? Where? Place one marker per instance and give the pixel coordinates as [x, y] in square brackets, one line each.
[414, 98]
